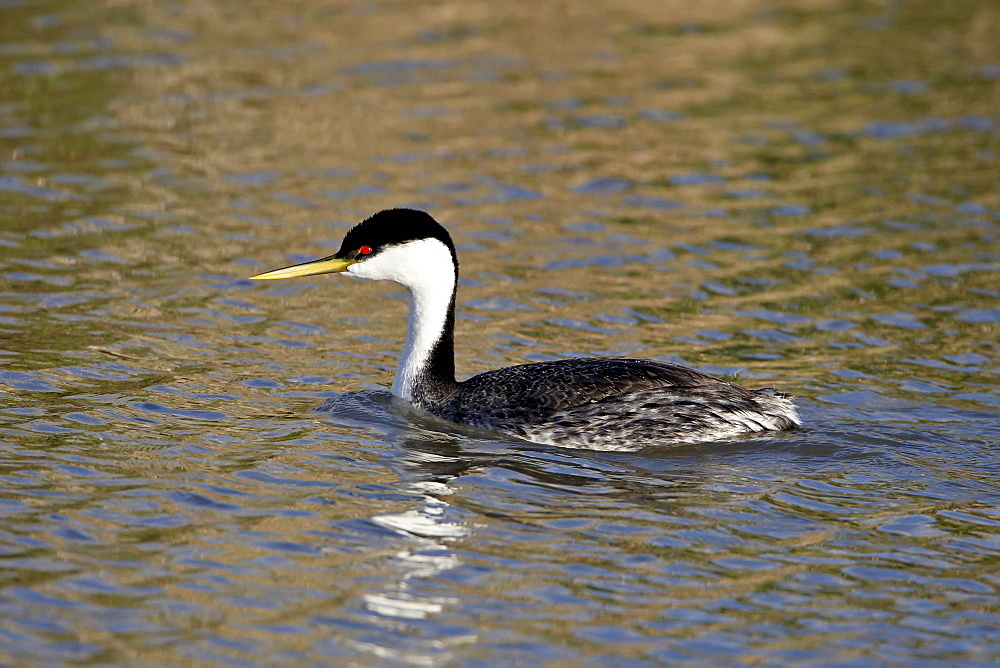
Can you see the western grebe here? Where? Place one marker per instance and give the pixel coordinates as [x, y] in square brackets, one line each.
[607, 403]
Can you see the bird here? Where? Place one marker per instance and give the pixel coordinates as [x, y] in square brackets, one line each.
[598, 403]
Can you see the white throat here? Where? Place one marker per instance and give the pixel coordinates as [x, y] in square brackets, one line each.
[425, 267]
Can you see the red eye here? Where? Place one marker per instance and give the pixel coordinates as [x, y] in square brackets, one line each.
[365, 250]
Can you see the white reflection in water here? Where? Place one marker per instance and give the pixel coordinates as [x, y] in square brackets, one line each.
[428, 529]
[432, 530]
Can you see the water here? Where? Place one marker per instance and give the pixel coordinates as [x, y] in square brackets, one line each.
[800, 197]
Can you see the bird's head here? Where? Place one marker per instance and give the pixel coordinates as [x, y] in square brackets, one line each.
[402, 245]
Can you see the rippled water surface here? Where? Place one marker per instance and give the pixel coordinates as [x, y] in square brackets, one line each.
[803, 195]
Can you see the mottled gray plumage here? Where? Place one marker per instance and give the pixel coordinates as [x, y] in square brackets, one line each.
[608, 403]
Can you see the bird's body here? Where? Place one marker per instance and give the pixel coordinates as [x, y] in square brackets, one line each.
[606, 403]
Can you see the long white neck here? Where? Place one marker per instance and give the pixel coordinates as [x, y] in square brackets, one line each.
[428, 319]
[426, 268]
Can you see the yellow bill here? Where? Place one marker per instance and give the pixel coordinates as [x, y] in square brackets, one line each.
[325, 266]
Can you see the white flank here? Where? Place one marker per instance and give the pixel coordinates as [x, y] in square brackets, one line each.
[426, 269]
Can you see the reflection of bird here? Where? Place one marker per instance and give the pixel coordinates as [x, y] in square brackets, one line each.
[602, 403]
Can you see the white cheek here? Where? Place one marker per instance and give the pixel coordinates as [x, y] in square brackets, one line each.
[351, 273]
[425, 264]
[369, 270]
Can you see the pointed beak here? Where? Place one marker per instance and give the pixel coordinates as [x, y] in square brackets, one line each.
[327, 265]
